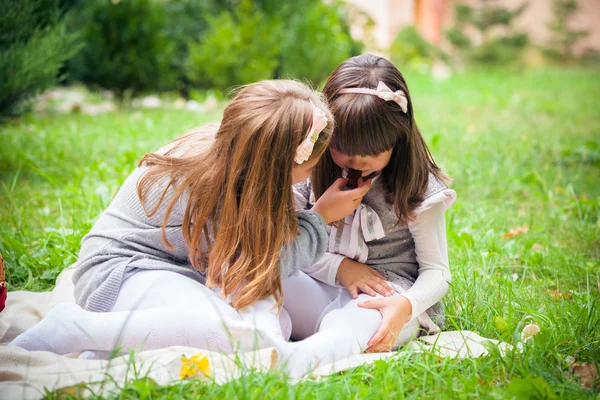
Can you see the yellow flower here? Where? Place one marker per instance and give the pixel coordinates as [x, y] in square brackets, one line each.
[191, 367]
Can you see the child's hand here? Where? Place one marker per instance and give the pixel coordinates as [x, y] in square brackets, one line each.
[396, 311]
[355, 277]
[336, 203]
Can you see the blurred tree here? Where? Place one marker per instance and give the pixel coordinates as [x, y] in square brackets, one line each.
[505, 47]
[34, 44]
[563, 36]
[239, 47]
[411, 49]
[140, 45]
[252, 40]
[127, 48]
[316, 40]
[186, 23]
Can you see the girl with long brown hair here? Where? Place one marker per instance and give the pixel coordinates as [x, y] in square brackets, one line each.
[193, 247]
[393, 247]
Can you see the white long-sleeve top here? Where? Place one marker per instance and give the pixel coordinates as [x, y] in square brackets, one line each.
[413, 257]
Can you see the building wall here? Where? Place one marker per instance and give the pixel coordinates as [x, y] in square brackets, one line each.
[433, 16]
[389, 16]
[539, 13]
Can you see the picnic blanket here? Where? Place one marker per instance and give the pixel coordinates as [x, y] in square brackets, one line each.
[25, 375]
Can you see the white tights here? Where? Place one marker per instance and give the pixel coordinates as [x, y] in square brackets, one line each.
[157, 309]
[316, 307]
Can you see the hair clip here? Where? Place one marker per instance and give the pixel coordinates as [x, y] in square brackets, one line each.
[318, 124]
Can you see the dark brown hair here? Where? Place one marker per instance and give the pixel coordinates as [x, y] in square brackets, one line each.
[238, 178]
[367, 125]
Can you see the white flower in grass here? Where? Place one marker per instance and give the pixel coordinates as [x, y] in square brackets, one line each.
[529, 331]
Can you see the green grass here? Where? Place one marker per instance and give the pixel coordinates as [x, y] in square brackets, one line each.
[523, 148]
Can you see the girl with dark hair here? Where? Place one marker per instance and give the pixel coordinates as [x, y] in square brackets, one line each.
[393, 247]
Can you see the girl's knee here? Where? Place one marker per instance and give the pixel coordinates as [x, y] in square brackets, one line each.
[351, 318]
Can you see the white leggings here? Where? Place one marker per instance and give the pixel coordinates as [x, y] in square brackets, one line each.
[157, 289]
[157, 309]
[314, 307]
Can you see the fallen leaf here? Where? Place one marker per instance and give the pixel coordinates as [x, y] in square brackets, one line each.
[74, 390]
[558, 295]
[537, 246]
[587, 374]
[529, 331]
[516, 231]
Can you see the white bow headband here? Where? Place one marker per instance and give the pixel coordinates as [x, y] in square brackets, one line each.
[318, 124]
[383, 92]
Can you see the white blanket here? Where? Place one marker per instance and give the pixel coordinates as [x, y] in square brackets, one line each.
[25, 374]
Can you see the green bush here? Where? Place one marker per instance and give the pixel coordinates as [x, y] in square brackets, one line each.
[35, 44]
[186, 22]
[494, 49]
[411, 49]
[238, 48]
[266, 39]
[316, 40]
[500, 50]
[141, 45]
[126, 48]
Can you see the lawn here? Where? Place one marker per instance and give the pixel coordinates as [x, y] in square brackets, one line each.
[524, 151]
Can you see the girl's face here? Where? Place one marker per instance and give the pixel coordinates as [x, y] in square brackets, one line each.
[301, 172]
[367, 164]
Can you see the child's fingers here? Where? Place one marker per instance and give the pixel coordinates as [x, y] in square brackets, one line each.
[362, 182]
[387, 287]
[377, 274]
[380, 288]
[340, 183]
[365, 288]
[360, 191]
[380, 334]
[383, 345]
[353, 291]
[373, 304]
[381, 280]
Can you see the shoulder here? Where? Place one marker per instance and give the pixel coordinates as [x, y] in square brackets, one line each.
[437, 192]
[434, 186]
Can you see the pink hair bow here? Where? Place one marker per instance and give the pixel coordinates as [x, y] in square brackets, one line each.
[384, 93]
[318, 124]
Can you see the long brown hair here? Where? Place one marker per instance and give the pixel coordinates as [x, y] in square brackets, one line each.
[367, 125]
[238, 179]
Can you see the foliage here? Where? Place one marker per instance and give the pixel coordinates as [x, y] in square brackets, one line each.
[563, 36]
[497, 41]
[149, 45]
[186, 22]
[34, 45]
[411, 49]
[126, 47]
[261, 40]
[315, 41]
[237, 48]
[500, 50]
